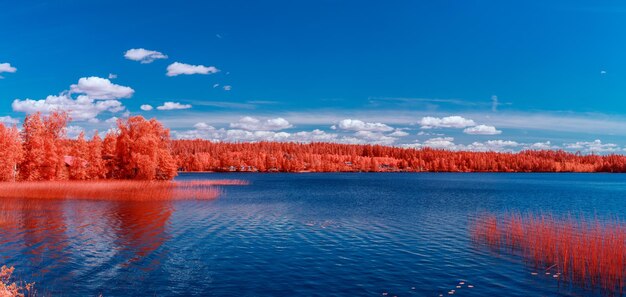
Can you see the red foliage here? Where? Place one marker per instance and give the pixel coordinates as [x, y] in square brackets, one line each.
[202, 155]
[143, 150]
[140, 150]
[10, 152]
[44, 152]
[589, 253]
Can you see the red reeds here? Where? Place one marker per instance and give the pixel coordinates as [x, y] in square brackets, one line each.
[114, 190]
[588, 253]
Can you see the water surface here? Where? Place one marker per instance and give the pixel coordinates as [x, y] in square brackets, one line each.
[313, 234]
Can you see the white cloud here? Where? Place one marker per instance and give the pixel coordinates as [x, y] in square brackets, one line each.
[205, 131]
[358, 125]
[313, 136]
[243, 135]
[6, 67]
[112, 76]
[8, 120]
[100, 88]
[228, 88]
[422, 133]
[177, 68]
[440, 142]
[446, 122]
[374, 137]
[447, 143]
[111, 120]
[173, 105]
[254, 124]
[541, 146]
[493, 146]
[595, 146]
[144, 56]
[203, 126]
[482, 130]
[399, 133]
[81, 108]
[73, 131]
[146, 107]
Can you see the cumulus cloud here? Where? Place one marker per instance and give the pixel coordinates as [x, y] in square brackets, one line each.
[374, 137]
[399, 133]
[228, 88]
[173, 106]
[177, 68]
[146, 107]
[547, 145]
[254, 124]
[204, 131]
[144, 56]
[358, 125]
[6, 67]
[7, 120]
[81, 108]
[447, 143]
[95, 95]
[203, 126]
[482, 130]
[100, 88]
[112, 76]
[446, 122]
[595, 146]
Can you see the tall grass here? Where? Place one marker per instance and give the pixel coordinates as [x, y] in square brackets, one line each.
[115, 190]
[589, 253]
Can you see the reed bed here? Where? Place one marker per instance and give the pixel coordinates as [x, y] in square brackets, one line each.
[216, 182]
[125, 190]
[589, 253]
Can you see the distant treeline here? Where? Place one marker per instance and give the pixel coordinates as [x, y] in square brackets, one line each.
[202, 155]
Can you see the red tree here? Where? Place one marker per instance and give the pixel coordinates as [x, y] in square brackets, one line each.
[11, 152]
[143, 150]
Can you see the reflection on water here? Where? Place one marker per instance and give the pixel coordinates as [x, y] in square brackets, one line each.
[71, 239]
[298, 235]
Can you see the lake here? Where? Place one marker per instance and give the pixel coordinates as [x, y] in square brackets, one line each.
[309, 234]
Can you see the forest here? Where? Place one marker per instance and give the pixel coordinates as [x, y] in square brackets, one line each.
[141, 149]
[202, 155]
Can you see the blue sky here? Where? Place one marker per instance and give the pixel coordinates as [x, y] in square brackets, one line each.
[479, 75]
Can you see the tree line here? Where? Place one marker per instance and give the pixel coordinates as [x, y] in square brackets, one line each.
[141, 149]
[203, 155]
[41, 151]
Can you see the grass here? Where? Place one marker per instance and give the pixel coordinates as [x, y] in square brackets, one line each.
[588, 253]
[124, 190]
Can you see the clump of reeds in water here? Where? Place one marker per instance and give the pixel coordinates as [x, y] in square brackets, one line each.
[115, 190]
[9, 288]
[587, 253]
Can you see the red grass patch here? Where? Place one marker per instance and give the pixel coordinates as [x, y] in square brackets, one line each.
[587, 253]
[115, 190]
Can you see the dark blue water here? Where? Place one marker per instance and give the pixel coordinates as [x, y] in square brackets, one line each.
[298, 235]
